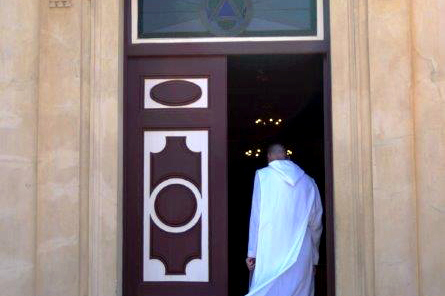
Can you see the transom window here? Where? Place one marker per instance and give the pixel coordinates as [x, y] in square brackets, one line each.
[227, 18]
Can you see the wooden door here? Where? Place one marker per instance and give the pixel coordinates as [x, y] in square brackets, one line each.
[175, 201]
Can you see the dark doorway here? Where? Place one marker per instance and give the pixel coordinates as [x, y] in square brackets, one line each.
[271, 98]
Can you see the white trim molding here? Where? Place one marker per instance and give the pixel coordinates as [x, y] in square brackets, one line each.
[151, 210]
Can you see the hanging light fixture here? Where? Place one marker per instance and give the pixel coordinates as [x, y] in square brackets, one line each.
[270, 121]
[256, 152]
[253, 152]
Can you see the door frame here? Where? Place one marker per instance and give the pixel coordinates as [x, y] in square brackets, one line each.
[250, 48]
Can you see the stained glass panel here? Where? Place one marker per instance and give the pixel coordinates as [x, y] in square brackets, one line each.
[226, 18]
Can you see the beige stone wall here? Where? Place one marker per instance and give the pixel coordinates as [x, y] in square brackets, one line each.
[388, 85]
[392, 108]
[60, 92]
[352, 148]
[428, 58]
[19, 56]
[58, 240]
[61, 139]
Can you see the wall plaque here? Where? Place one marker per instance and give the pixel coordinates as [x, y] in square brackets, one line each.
[59, 3]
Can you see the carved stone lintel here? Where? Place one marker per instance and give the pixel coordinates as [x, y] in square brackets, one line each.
[59, 3]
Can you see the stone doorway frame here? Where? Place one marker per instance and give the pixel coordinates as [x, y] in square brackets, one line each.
[353, 204]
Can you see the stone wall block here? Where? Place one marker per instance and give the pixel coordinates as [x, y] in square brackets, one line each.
[58, 203]
[394, 182]
[19, 22]
[429, 100]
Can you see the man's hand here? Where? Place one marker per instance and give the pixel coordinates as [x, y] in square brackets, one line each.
[250, 261]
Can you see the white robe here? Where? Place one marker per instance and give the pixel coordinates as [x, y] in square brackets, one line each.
[285, 229]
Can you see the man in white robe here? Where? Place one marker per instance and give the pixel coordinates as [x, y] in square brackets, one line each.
[285, 229]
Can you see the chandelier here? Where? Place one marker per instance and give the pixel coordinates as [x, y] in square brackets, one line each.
[270, 121]
[256, 152]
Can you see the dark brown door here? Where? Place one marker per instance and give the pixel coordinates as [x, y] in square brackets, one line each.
[175, 201]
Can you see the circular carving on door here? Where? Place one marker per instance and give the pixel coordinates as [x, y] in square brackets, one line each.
[175, 205]
[176, 93]
[165, 222]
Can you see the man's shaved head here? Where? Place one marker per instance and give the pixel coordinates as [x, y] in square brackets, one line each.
[276, 151]
[276, 148]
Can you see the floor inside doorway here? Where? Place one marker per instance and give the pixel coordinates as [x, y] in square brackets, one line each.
[271, 98]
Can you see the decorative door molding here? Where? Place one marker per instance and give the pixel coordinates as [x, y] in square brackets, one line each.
[176, 181]
[176, 93]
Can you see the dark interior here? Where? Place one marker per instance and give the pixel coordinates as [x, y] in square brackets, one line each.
[271, 98]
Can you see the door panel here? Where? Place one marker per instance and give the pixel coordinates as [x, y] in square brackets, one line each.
[175, 203]
[176, 216]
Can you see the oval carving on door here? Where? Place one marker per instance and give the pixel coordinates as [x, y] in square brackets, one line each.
[175, 205]
[176, 93]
